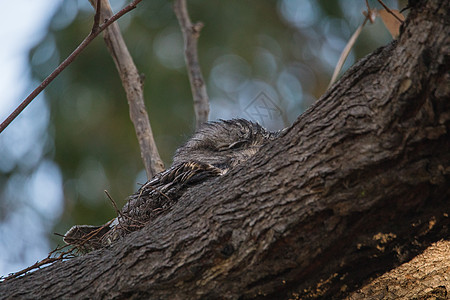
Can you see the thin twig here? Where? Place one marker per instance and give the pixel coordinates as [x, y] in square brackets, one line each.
[113, 202]
[119, 213]
[369, 16]
[132, 83]
[38, 264]
[94, 233]
[48, 260]
[191, 33]
[390, 11]
[65, 63]
[79, 242]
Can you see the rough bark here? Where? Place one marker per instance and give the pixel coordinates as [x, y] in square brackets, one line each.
[356, 187]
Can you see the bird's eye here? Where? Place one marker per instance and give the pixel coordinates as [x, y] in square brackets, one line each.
[232, 146]
[236, 145]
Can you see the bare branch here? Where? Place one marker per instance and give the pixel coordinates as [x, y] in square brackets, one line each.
[51, 258]
[98, 9]
[191, 32]
[132, 83]
[349, 47]
[65, 63]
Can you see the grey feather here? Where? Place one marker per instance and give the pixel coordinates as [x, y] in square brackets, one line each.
[211, 152]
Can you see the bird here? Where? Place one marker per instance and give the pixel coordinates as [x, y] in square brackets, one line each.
[213, 150]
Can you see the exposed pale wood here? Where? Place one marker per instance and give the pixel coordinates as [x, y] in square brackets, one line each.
[427, 276]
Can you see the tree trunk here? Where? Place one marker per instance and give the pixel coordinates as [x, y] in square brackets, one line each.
[357, 186]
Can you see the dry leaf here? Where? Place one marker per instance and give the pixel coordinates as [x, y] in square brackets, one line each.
[391, 23]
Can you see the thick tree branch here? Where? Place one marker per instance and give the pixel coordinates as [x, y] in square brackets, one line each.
[357, 186]
[133, 85]
[93, 34]
[191, 33]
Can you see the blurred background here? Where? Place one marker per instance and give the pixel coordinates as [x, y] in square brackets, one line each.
[263, 60]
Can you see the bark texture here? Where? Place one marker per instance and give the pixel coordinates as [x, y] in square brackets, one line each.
[356, 187]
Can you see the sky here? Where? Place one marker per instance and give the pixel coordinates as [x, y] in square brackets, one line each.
[17, 39]
[22, 25]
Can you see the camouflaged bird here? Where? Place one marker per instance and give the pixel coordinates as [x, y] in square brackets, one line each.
[211, 152]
